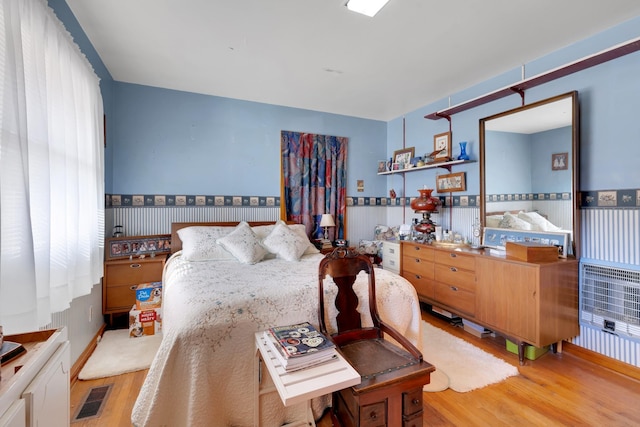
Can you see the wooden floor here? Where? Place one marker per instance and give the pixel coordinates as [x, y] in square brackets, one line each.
[556, 389]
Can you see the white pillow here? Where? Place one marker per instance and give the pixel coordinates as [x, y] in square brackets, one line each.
[512, 221]
[302, 231]
[286, 243]
[243, 244]
[493, 221]
[199, 243]
[538, 221]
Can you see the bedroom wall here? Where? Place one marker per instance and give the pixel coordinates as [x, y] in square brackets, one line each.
[157, 138]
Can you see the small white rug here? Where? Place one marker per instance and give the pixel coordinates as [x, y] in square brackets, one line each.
[117, 354]
[460, 364]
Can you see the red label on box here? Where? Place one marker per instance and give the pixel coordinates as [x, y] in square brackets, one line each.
[148, 316]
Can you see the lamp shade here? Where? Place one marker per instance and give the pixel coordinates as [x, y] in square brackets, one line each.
[327, 221]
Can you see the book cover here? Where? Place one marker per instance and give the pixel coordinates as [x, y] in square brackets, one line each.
[296, 363]
[10, 350]
[300, 339]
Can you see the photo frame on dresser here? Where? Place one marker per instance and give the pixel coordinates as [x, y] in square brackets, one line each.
[135, 246]
[497, 238]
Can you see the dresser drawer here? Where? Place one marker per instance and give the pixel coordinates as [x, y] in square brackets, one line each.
[120, 298]
[391, 256]
[456, 297]
[412, 402]
[455, 276]
[417, 251]
[421, 282]
[374, 415]
[456, 259]
[133, 272]
[417, 266]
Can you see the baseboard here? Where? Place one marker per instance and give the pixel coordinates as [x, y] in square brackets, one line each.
[77, 366]
[602, 360]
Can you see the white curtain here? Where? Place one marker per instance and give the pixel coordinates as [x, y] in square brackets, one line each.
[51, 168]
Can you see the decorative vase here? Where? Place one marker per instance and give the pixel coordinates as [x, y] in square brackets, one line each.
[463, 151]
[426, 202]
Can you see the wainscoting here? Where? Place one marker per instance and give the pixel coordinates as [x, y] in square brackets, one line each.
[609, 235]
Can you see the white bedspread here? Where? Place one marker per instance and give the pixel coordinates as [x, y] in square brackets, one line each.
[203, 372]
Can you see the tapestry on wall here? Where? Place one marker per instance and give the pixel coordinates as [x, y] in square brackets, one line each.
[314, 181]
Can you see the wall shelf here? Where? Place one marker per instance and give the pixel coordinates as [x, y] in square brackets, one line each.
[519, 88]
[444, 165]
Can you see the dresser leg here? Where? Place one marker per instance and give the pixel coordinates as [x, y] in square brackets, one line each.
[521, 347]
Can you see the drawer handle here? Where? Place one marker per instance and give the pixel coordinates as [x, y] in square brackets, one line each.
[418, 276]
[454, 288]
[417, 248]
[417, 260]
[416, 401]
[373, 416]
[452, 255]
[392, 251]
[134, 287]
[453, 269]
[392, 263]
[135, 266]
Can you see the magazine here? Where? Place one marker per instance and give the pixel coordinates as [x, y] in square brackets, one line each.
[299, 346]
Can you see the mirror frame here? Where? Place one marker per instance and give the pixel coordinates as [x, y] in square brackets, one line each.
[575, 161]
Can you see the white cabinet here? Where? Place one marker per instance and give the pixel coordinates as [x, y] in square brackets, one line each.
[37, 394]
[391, 256]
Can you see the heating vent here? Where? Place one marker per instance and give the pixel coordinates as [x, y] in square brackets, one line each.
[610, 299]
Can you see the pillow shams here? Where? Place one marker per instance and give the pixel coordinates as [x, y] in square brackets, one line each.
[199, 243]
[286, 243]
[538, 222]
[243, 244]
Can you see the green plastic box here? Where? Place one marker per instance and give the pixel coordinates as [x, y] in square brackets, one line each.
[530, 352]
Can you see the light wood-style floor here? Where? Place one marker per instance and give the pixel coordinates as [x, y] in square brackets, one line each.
[556, 389]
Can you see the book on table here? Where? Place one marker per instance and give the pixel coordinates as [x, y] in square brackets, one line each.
[299, 346]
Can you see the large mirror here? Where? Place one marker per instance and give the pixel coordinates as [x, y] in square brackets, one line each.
[529, 168]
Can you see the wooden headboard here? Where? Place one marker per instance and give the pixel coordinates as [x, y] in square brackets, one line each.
[176, 243]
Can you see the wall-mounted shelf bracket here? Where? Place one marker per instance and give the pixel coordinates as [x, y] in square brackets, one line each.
[564, 70]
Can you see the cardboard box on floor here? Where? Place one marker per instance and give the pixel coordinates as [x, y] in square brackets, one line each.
[145, 322]
[149, 295]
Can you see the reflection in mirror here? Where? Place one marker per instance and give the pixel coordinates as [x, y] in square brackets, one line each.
[528, 168]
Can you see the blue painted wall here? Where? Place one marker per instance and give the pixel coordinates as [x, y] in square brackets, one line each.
[172, 142]
[161, 141]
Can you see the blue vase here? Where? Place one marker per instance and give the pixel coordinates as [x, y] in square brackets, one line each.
[463, 151]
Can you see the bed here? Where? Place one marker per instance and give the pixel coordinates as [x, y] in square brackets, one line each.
[216, 294]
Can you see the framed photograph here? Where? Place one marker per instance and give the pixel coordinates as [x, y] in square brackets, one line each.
[451, 182]
[382, 166]
[442, 145]
[395, 167]
[404, 156]
[497, 238]
[559, 161]
[135, 246]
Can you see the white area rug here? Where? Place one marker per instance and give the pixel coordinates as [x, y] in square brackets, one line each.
[117, 354]
[460, 365]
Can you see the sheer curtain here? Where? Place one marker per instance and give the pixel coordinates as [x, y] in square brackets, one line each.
[51, 168]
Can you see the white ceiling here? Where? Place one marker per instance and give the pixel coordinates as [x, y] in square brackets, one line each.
[317, 55]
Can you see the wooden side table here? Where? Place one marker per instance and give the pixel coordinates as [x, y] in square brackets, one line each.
[303, 385]
[122, 277]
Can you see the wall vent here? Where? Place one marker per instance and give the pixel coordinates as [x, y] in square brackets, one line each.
[610, 299]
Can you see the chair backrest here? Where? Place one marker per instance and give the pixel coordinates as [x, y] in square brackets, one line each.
[344, 265]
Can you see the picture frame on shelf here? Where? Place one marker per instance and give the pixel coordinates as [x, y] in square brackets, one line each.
[442, 146]
[395, 167]
[403, 157]
[560, 161]
[451, 182]
[382, 166]
[135, 246]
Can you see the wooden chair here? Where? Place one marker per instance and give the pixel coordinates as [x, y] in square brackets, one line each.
[390, 393]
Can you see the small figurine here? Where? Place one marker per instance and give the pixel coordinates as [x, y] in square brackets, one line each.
[392, 193]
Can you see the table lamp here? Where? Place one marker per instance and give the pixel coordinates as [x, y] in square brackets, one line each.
[325, 222]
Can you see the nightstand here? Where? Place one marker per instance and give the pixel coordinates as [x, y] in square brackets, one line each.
[122, 277]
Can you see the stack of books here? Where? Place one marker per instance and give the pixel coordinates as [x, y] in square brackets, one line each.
[299, 346]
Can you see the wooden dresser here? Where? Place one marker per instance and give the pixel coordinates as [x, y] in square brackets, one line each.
[122, 277]
[531, 303]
